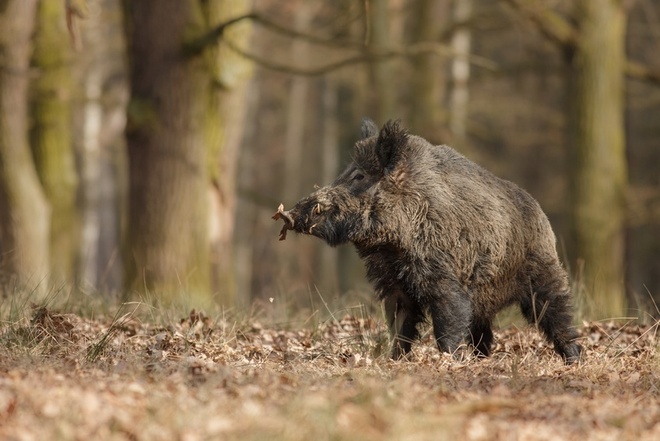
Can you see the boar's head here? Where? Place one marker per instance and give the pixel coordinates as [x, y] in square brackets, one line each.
[349, 209]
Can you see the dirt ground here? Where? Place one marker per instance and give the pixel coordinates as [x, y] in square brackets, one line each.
[65, 377]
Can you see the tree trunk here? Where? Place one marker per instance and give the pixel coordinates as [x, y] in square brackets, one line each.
[461, 42]
[328, 256]
[90, 171]
[51, 136]
[101, 121]
[428, 117]
[168, 230]
[296, 112]
[383, 98]
[247, 211]
[24, 211]
[599, 170]
[297, 261]
[226, 110]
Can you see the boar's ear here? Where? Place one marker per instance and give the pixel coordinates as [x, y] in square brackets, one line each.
[391, 141]
[368, 128]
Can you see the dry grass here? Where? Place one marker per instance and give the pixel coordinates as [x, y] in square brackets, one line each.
[63, 376]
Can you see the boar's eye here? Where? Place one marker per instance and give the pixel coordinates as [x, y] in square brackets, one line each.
[358, 177]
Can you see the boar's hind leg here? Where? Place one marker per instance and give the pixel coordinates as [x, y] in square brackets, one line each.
[403, 316]
[549, 308]
[451, 314]
[481, 336]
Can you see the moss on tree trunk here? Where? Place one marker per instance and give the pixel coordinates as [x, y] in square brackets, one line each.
[51, 136]
[24, 211]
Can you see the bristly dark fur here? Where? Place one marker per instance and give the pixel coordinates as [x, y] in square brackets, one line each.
[442, 237]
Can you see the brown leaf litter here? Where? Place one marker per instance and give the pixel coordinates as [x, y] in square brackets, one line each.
[208, 378]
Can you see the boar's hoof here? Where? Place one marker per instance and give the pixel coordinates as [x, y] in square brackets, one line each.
[288, 220]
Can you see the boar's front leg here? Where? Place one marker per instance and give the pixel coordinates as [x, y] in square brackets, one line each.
[403, 315]
[481, 336]
[451, 313]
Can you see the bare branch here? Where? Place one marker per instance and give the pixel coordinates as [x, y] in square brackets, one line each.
[549, 23]
[368, 55]
[292, 33]
[639, 71]
[556, 28]
[197, 46]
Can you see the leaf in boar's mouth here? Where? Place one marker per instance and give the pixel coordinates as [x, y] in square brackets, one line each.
[288, 220]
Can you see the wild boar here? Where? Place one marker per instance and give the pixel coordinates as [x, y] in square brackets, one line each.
[441, 237]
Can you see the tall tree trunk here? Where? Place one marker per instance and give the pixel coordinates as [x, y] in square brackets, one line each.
[461, 42]
[90, 167]
[52, 143]
[383, 98]
[101, 121]
[24, 210]
[168, 230]
[428, 77]
[328, 256]
[599, 169]
[224, 126]
[247, 210]
[296, 112]
[297, 263]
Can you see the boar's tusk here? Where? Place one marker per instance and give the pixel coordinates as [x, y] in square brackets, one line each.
[317, 209]
[288, 220]
[311, 228]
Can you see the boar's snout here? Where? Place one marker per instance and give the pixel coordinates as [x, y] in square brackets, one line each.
[303, 217]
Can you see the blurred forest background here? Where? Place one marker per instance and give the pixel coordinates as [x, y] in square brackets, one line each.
[144, 145]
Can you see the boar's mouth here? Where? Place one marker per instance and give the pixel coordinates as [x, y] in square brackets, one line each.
[290, 223]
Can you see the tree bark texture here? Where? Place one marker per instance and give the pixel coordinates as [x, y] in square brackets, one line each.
[429, 75]
[461, 43]
[297, 119]
[380, 72]
[225, 118]
[100, 121]
[24, 210]
[599, 168]
[168, 230]
[328, 264]
[52, 137]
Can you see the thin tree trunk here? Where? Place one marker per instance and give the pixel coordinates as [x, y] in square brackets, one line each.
[296, 112]
[247, 210]
[296, 266]
[91, 175]
[328, 264]
[225, 121]
[52, 143]
[428, 117]
[461, 42]
[383, 98]
[24, 210]
[599, 168]
[101, 120]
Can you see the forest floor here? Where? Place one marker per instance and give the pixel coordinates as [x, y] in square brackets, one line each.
[64, 376]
